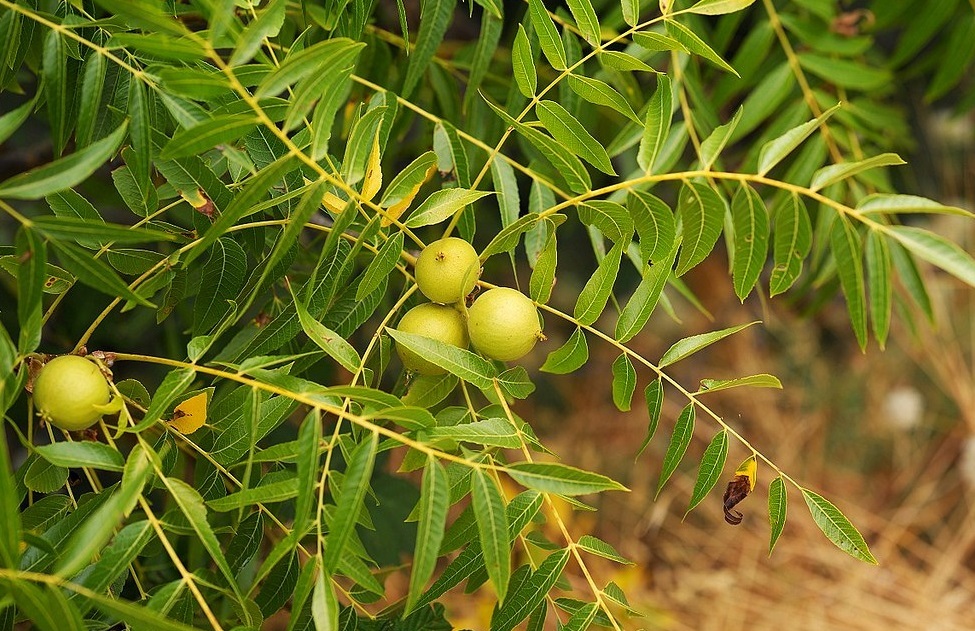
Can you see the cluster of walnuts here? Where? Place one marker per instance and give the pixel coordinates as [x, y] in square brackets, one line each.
[502, 323]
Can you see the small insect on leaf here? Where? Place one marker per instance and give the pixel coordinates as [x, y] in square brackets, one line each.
[190, 415]
[738, 489]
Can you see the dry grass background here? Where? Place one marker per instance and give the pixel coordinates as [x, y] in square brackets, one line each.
[888, 436]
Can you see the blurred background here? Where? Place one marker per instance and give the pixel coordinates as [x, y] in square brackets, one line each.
[887, 435]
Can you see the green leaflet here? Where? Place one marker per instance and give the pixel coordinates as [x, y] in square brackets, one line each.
[10, 518]
[522, 64]
[543, 271]
[791, 244]
[573, 135]
[709, 472]
[592, 299]
[836, 527]
[441, 205]
[838, 172]
[936, 250]
[64, 172]
[692, 43]
[750, 220]
[713, 145]
[848, 253]
[598, 547]
[548, 36]
[641, 304]
[775, 150]
[719, 7]
[586, 20]
[569, 357]
[609, 218]
[354, 487]
[564, 161]
[95, 273]
[408, 180]
[433, 504]
[655, 224]
[82, 454]
[777, 509]
[208, 134]
[31, 278]
[492, 528]
[656, 127]
[327, 339]
[225, 273]
[601, 93]
[319, 58]
[44, 605]
[690, 345]
[530, 592]
[624, 382]
[381, 266]
[653, 394]
[753, 381]
[560, 479]
[435, 17]
[679, 440]
[461, 362]
[701, 209]
[880, 291]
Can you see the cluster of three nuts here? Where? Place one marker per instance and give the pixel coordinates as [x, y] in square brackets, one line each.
[502, 324]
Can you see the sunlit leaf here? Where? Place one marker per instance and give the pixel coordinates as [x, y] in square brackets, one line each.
[719, 7]
[936, 250]
[751, 381]
[550, 477]
[838, 172]
[443, 204]
[690, 345]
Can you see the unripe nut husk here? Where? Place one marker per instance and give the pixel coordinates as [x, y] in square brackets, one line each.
[439, 322]
[69, 392]
[504, 324]
[447, 270]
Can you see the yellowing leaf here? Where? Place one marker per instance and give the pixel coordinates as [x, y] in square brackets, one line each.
[749, 469]
[333, 202]
[396, 210]
[374, 173]
[190, 415]
[194, 197]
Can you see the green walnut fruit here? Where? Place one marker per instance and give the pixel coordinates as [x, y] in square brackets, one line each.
[503, 324]
[447, 270]
[68, 392]
[438, 322]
